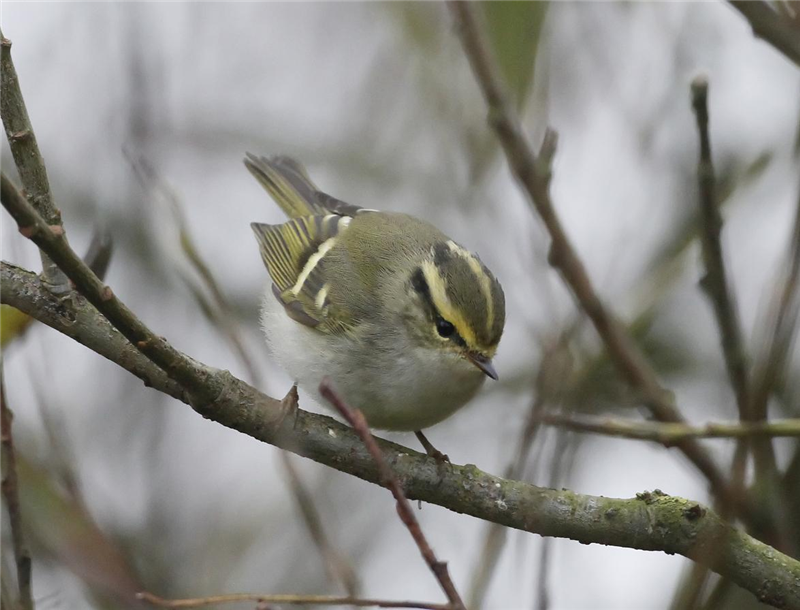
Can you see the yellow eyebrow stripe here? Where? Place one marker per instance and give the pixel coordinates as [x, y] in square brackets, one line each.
[483, 280]
[438, 291]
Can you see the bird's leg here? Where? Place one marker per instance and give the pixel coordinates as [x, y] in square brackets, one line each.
[430, 449]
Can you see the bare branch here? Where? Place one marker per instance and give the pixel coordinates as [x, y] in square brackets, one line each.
[10, 489]
[304, 600]
[671, 434]
[771, 27]
[783, 330]
[715, 281]
[534, 178]
[52, 241]
[389, 480]
[98, 255]
[555, 366]
[686, 526]
[221, 315]
[336, 564]
[27, 158]
[219, 311]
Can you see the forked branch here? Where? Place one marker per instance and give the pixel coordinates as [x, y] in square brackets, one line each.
[533, 176]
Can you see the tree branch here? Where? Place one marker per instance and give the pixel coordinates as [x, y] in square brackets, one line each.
[652, 521]
[782, 333]
[388, 479]
[336, 563]
[715, 281]
[768, 25]
[204, 387]
[219, 313]
[532, 173]
[10, 487]
[648, 522]
[299, 600]
[670, 434]
[27, 158]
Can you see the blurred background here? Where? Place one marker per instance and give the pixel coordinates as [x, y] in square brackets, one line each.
[144, 112]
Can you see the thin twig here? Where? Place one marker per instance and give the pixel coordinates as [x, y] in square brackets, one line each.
[389, 480]
[52, 241]
[533, 175]
[28, 159]
[336, 564]
[784, 330]
[98, 254]
[220, 396]
[463, 489]
[177, 366]
[98, 258]
[10, 487]
[15, 324]
[716, 598]
[768, 372]
[771, 27]
[670, 435]
[7, 596]
[495, 536]
[715, 281]
[303, 600]
[555, 367]
[220, 314]
[691, 589]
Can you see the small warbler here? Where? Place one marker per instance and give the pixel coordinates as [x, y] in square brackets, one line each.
[403, 319]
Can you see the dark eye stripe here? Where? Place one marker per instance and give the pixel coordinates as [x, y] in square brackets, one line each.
[441, 254]
[420, 285]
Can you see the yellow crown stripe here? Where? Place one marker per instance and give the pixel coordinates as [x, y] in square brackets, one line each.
[483, 280]
[437, 286]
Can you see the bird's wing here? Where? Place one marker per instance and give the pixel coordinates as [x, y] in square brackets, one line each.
[294, 254]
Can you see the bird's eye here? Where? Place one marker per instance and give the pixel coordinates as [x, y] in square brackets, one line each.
[444, 328]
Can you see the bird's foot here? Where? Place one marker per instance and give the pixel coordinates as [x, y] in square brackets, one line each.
[432, 451]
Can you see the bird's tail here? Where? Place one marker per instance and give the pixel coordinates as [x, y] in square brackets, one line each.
[288, 183]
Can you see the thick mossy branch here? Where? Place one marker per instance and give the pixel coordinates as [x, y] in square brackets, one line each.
[652, 521]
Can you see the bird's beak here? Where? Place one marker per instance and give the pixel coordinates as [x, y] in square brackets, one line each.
[484, 364]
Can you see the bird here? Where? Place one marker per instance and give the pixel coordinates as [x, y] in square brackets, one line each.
[402, 319]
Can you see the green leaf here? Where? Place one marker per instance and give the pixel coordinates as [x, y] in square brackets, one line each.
[12, 324]
[514, 30]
